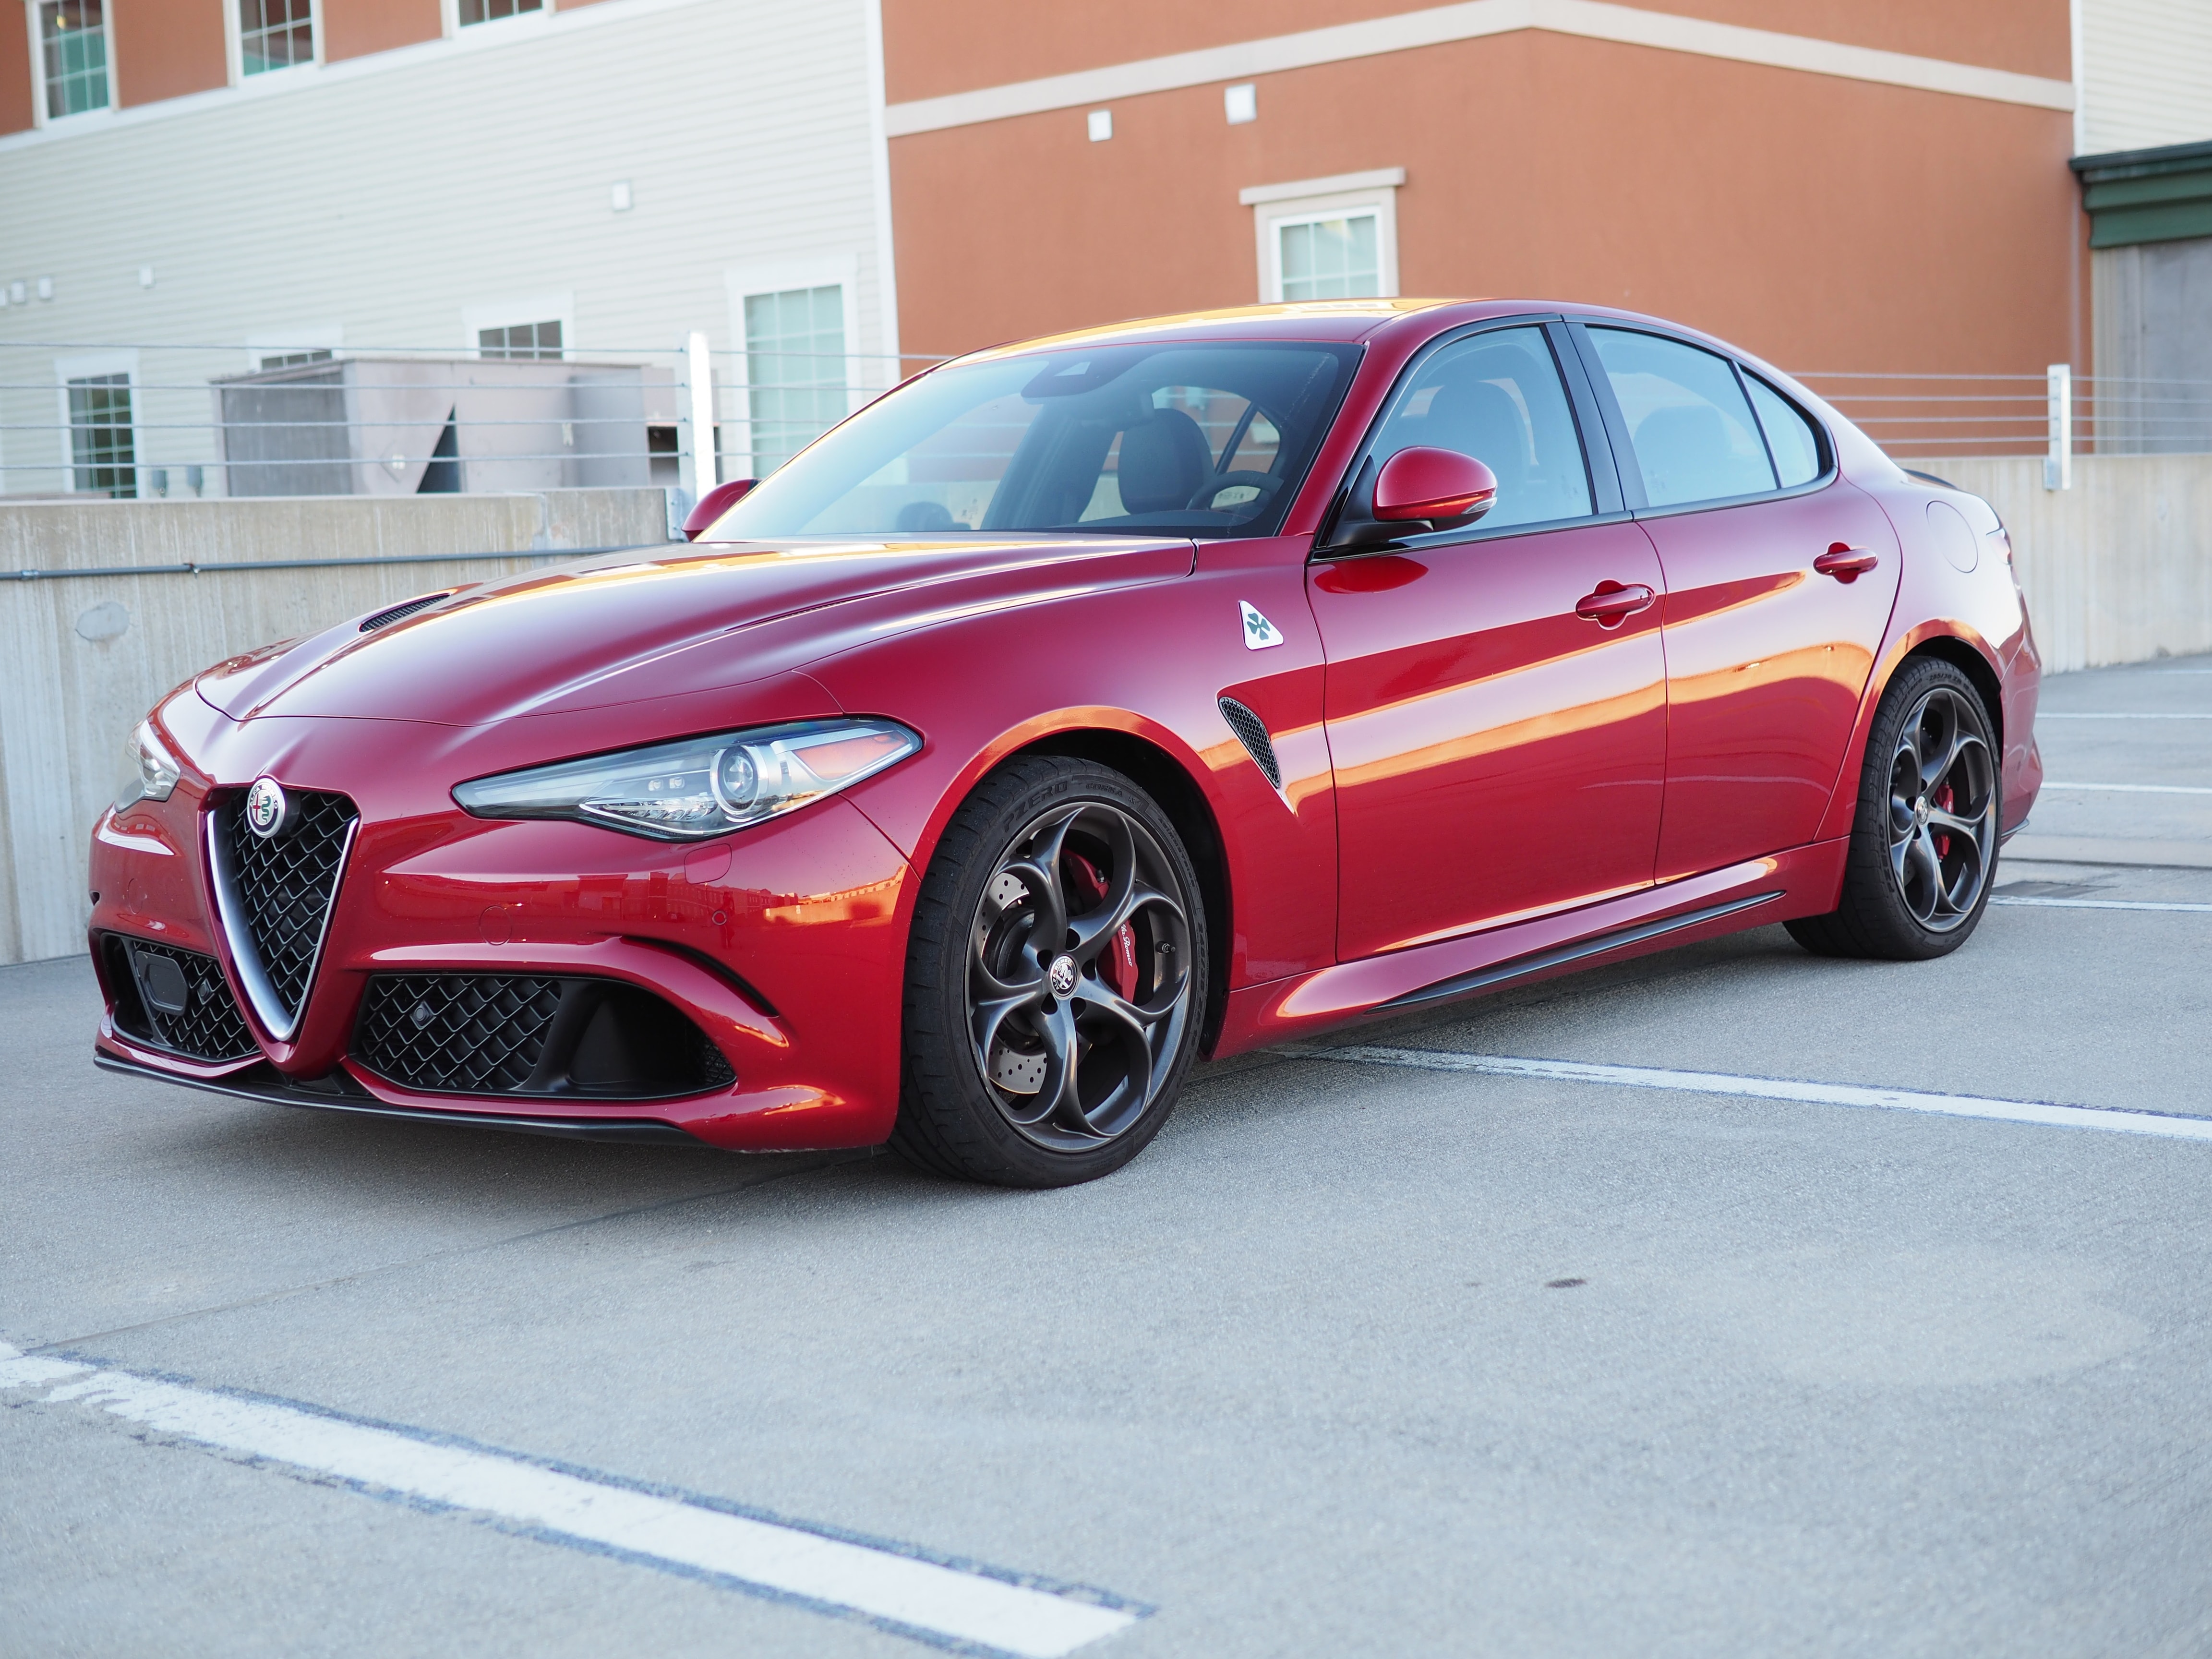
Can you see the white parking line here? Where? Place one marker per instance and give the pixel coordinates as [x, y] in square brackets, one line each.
[974, 1609]
[2134, 788]
[2054, 715]
[2096, 904]
[1767, 1087]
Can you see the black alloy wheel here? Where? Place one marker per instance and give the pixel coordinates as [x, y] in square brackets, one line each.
[1924, 843]
[1055, 980]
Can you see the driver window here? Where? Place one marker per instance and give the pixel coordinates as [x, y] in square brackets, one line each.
[1497, 397]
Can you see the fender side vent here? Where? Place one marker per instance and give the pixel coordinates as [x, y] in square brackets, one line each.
[399, 612]
[1252, 732]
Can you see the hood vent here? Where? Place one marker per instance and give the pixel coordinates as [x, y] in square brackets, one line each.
[397, 612]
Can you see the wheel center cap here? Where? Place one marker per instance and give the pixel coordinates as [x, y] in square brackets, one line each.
[1061, 975]
[1920, 811]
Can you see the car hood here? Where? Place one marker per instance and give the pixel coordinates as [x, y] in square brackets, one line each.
[624, 627]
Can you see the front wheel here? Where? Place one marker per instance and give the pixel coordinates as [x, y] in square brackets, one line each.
[1924, 843]
[1055, 980]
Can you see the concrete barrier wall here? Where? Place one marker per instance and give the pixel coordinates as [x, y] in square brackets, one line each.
[83, 658]
[2117, 569]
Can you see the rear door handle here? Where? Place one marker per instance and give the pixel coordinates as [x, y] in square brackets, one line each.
[1845, 564]
[1614, 604]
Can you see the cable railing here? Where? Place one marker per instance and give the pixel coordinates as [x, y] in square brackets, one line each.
[84, 418]
[2058, 415]
[104, 418]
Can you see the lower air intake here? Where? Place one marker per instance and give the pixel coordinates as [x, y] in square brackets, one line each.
[1252, 732]
[507, 1033]
[174, 999]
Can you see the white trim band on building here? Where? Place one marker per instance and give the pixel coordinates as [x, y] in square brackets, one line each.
[1473, 19]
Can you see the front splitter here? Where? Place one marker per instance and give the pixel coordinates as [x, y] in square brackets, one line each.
[264, 1083]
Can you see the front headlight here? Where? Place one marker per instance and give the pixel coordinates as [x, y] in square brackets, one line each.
[149, 771]
[698, 786]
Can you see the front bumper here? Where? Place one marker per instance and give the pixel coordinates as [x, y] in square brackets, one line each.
[782, 943]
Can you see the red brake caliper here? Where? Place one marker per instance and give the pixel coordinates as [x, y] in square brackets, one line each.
[1118, 967]
[1944, 805]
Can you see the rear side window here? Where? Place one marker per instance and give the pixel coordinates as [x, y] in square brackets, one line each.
[1496, 397]
[1695, 437]
[1788, 435]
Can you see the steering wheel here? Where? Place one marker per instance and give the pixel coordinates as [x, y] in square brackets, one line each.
[1265, 483]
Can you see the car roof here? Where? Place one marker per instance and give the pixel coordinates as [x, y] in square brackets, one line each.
[1347, 320]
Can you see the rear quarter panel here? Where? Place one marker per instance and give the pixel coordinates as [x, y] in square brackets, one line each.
[1982, 609]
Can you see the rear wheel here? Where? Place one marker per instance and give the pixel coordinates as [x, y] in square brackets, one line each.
[1054, 980]
[1924, 843]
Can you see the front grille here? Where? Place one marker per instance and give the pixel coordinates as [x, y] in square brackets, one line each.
[174, 999]
[1252, 732]
[507, 1034]
[281, 891]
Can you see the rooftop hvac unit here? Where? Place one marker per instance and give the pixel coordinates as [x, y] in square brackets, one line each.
[383, 426]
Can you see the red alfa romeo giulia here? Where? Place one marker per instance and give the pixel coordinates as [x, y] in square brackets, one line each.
[1079, 708]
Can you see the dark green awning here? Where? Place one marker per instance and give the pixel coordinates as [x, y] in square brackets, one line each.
[2133, 196]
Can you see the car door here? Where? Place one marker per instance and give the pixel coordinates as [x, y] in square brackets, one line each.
[1497, 754]
[1780, 576]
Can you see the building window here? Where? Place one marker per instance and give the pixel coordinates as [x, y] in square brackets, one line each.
[100, 437]
[486, 11]
[1329, 259]
[794, 371]
[1328, 238]
[293, 359]
[274, 35]
[74, 36]
[535, 342]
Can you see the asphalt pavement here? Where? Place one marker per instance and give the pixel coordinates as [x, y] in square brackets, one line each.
[1379, 1356]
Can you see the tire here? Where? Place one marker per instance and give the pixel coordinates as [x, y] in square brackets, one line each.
[1924, 846]
[1025, 1066]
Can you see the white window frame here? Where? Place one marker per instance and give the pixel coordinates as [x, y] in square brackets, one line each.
[234, 41]
[39, 119]
[741, 283]
[1306, 201]
[559, 308]
[313, 337]
[78, 368]
[449, 23]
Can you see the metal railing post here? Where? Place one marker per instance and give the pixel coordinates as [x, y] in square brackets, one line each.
[2058, 464]
[699, 465]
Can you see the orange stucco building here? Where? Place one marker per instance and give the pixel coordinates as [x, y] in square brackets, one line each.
[1838, 184]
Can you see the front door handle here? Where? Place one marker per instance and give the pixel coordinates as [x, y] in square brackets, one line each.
[1614, 604]
[1845, 564]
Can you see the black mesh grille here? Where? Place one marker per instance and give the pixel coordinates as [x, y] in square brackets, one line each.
[503, 1034]
[398, 612]
[464, 1033]
[181, 1004]
[283, 886]
[1252, 732]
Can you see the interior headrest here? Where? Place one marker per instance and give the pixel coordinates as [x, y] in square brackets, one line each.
[1479, 419]
[1164, 461]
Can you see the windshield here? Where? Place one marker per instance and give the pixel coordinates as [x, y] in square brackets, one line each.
[1129, 439]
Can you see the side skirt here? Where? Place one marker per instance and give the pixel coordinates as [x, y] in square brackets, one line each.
[1801, 882]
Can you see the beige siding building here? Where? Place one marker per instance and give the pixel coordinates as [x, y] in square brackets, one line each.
[275, 179]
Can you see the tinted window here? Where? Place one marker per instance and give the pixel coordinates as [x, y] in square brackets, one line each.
[1790, 435]
[1694, 434]
[1497, 397]
[1142, 440]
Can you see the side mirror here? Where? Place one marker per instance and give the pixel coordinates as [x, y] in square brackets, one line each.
[1441, 485]
[715, 503]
